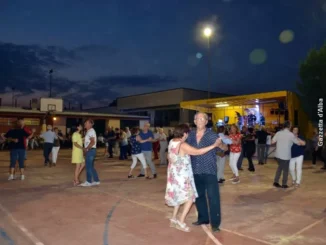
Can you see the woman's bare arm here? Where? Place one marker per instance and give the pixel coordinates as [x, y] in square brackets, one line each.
[187, 149]
[78, 146]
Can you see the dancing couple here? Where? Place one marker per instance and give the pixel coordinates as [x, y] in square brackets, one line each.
[192, 172]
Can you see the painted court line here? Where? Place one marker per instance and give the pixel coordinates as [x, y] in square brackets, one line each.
[249, 237]
[308, 227]
[5, 236]
[107, 222]
[21, 227]
[210, 235]
[160, 210]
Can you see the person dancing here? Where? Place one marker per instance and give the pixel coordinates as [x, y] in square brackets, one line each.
[136, 152]
[235, 151]
[181, 189]
[77, 153]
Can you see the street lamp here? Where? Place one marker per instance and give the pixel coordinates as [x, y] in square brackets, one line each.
[208, 33]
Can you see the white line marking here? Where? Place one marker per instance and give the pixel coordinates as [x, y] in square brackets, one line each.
[21, 227]
[210, 235]
[162, 211]
[308, 227]
[249, 237]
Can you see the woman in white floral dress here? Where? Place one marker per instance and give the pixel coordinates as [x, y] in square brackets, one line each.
[181, 187]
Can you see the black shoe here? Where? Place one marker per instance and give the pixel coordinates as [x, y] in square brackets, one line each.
[277, 185]
[251, 169]
[197, 223]
[141, 176]
[240, 169]
[285, 186]
[220, 181]
[215, 229]
[323, 168]
[154, 176]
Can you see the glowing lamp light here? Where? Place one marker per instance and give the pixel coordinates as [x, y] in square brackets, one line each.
[54, 119]
[222, 105]
[208, 32]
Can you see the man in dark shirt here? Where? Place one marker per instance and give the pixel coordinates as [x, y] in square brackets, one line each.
[17, 145]
[244, 132]
[205, 174]
[111, 138]
[21, 122]
[261, 147]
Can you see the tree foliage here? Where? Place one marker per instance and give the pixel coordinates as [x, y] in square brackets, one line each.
[312, 85]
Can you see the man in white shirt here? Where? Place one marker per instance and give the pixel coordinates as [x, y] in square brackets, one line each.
[284, 140]
[90, 154]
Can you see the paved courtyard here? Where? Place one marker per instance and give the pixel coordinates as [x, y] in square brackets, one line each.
[47, 209]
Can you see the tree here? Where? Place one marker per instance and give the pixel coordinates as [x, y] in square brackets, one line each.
[312, 86]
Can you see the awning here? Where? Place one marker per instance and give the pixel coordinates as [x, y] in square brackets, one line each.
[241, 100]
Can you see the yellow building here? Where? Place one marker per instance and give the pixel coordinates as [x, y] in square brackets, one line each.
[276, 107]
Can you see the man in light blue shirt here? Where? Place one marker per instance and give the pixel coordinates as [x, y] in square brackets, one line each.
[49, 136]
[147, 148]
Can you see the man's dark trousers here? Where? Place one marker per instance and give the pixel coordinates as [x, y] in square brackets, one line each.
[207, 183]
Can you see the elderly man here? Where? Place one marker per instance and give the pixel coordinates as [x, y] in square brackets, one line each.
[90, 144]
[284, 140]
[49, 136]
[146, 148]
[205, 173]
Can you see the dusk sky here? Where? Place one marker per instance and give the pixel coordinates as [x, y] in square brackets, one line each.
[102, 49]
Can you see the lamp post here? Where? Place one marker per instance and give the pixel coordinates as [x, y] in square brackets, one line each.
[13, 96]
[50, 78]
[208, 33]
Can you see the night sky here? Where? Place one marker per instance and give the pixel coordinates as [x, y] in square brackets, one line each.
[102, 49]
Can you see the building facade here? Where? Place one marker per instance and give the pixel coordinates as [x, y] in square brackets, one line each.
[162, 107]
[66, 120]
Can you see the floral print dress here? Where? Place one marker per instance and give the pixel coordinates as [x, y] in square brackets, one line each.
[180, 186]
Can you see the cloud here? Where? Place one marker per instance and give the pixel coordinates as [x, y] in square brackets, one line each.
[25, 68]
[135, 81]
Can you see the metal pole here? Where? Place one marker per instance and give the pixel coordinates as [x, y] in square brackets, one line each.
[50, 78]
[50, 95]
[13, 97]
[209, 67]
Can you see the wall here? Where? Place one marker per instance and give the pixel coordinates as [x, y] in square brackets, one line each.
[60, 123]
[190, 94]
[115, 123]
[170, 97]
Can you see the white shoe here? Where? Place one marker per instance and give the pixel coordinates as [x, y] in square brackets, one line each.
[11, 177]
[96, 183]
[22, 177]
[86, 184]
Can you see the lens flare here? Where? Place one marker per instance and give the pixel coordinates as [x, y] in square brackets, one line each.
[199, 56]
[258, 56]
[286, 36]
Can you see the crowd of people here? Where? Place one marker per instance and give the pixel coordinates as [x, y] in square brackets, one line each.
[196, 158]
